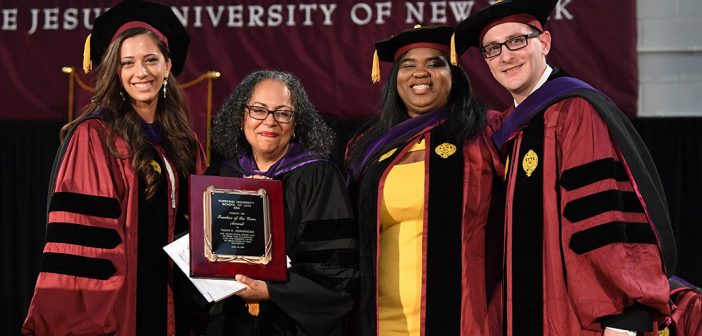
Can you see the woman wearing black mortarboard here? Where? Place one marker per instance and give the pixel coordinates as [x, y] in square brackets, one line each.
[118, 190]
[423, 175]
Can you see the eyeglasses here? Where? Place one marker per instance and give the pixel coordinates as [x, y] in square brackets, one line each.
[261, 113]
[515, 43]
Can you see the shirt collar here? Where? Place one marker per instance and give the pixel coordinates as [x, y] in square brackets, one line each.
[542, 80]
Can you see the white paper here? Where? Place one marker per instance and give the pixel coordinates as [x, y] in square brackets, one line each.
[212, 289]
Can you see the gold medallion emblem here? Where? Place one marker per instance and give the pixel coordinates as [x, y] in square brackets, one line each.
[529, 163]
[387, 155]
[155, 166]
[445, 150]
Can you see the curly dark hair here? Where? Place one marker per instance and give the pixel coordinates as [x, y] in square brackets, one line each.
[178, 138]
[466, 114]
[311, 131]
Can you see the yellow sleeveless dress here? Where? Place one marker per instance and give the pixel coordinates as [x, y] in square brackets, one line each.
[400, 261]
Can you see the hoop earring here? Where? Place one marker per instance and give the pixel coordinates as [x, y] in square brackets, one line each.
[293, 136]
[165, 84]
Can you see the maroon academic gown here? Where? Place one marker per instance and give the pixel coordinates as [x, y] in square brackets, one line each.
[88, 281]
[686, 318]
[457, 290]
[570, 204]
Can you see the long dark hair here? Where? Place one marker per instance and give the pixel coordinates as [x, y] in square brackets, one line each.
[466, 114]
[310, 129]
[112, 102]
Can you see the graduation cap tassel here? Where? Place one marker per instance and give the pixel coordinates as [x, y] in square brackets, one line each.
[375, 71]
[253, 308]
[87, 66]
[454, 55]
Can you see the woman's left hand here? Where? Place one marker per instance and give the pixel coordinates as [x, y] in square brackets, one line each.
[256, 290]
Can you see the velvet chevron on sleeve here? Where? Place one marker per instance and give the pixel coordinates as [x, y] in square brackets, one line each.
[588, 234]
[97, 277]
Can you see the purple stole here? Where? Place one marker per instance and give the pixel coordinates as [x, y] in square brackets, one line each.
[552, 91]
[400, 131]
[296, 157]
[633, 152]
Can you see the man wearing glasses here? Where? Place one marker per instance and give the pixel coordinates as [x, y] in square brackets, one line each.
[588, 239]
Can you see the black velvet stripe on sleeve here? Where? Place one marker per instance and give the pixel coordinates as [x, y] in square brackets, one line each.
[328, 229]
[343, 280]
[336, 244]
[89, 205]
[610, 233]
[83, 235]
[601, 202]
[68, 264]
[643, 172]
[332, 258]
[591, 172]
[326, 271]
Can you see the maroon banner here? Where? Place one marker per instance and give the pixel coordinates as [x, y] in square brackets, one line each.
[327, 44]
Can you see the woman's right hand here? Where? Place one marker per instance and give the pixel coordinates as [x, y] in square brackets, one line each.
[256, 290]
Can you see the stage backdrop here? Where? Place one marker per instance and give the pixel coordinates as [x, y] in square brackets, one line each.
[327, 44]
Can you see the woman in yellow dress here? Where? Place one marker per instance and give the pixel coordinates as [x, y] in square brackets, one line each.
[422, 175]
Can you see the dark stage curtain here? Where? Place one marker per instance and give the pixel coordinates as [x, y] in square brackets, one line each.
[28, 150]
[676, 147]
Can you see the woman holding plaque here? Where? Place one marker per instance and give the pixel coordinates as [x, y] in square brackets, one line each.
[423, 174]
[118, 190]
[268, 128]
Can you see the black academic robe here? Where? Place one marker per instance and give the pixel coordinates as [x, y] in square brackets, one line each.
[320, 240]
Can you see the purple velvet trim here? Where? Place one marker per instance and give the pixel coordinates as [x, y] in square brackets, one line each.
[295, 157]
[536, 102]
[409, 126]
[152, 132]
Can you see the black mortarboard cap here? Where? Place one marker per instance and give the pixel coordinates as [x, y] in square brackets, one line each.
[470, 30]
[387, 50]
[130, 12]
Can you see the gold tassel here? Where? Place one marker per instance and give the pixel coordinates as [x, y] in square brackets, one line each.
[87, 65]
[454, 55]
[375, 71]
[253, 308]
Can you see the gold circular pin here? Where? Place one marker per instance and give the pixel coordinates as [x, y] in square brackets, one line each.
[530, 162]
[445, 150]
